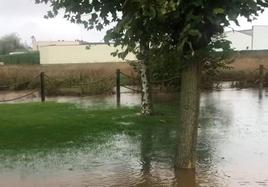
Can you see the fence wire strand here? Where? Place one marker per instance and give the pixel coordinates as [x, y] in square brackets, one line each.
[21, 83]
[23, 96]
[166, 80]
[128, 76]
[18, 98]
[153, 82]
[50, 79]
[132, 89]
[80, 84]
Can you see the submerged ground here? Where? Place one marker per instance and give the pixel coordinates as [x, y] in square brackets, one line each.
[78, 145]
[54, 125]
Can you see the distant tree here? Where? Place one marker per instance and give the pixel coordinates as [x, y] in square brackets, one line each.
[11, 43]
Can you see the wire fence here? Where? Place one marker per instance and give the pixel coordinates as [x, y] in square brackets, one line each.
[137, 82]
[68, 83]
[85, 87]
[43, 85]
[25, 84]
[19, 97]
[32, 91]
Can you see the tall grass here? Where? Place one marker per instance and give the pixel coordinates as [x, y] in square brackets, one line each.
[242, 79]
[78, 79]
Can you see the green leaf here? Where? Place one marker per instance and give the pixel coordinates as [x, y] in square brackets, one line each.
[195, 32]
[218, 11]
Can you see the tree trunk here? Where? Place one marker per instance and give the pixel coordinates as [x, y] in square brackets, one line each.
[146, 97]
[189, 113]
[146, 93]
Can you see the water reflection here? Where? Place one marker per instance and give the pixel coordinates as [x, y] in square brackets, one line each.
[232, 151]
[234, 133]
[185, 178]
[146, 154]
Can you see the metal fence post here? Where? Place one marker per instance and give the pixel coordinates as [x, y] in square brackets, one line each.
[42, 87]
[118, 92]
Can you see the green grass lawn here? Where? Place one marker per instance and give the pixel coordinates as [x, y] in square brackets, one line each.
[54, 125]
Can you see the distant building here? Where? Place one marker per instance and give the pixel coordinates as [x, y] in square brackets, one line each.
[253, 39]
[76, 52]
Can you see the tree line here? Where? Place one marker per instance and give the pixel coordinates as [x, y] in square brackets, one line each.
[11, 43]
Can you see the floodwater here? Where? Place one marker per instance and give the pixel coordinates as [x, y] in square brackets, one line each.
[127, 99]
[232, 150]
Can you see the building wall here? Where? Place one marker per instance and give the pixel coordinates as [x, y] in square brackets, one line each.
[38, 44]
[260, 37]
[76, 54]
[239, 40]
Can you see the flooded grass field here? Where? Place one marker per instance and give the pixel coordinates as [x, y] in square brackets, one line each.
[232, 145]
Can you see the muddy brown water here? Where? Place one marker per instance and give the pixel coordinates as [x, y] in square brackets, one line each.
[232, 150]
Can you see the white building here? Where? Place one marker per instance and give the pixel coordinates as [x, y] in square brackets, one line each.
[76, 52]
[253, 39]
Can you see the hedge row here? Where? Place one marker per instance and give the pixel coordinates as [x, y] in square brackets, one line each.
[25, 58]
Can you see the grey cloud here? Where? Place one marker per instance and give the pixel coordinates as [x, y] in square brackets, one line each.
[21, 8]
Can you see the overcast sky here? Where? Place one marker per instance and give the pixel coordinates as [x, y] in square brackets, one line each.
[26, 19]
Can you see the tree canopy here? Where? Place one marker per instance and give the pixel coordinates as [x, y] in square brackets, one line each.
[181, 25]
[10, 43]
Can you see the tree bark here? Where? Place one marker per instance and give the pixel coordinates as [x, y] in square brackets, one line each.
[146, 92]
[146, 96]
[189, 113]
